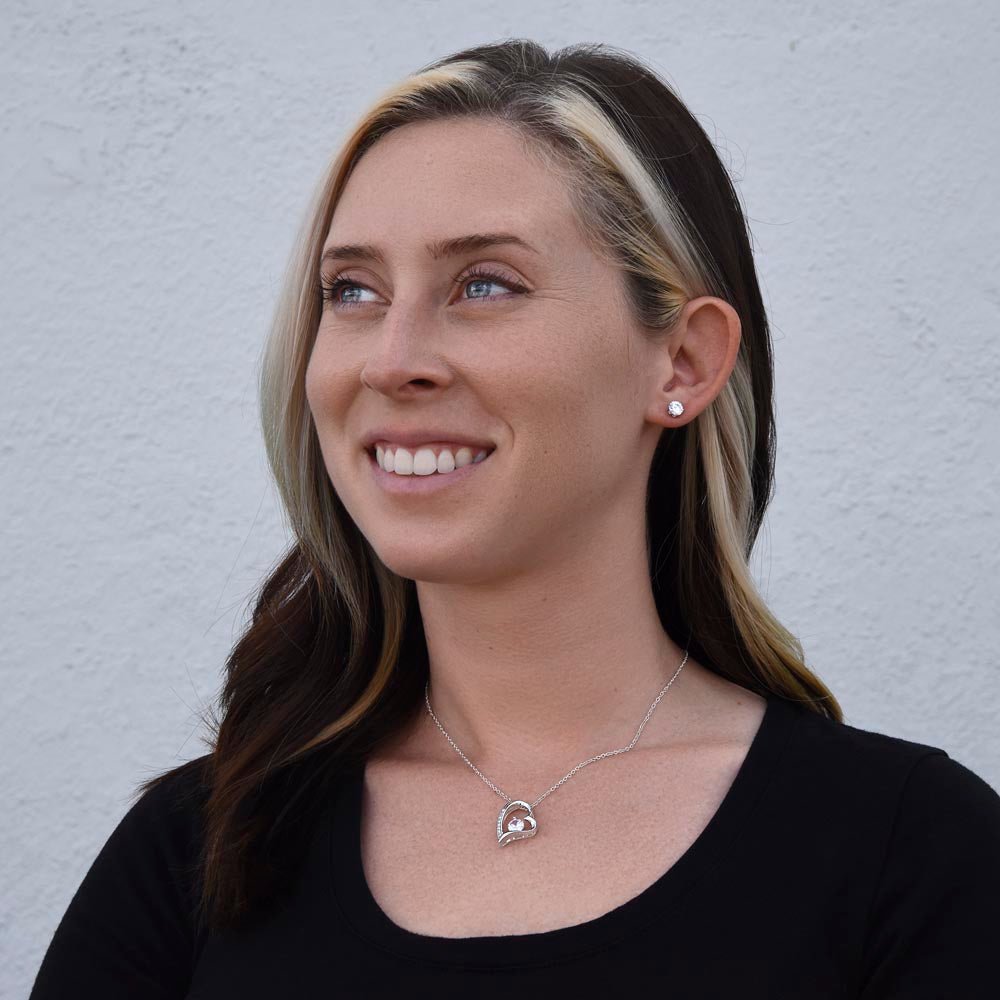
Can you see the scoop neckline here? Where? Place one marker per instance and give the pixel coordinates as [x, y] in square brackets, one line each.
[360, 910]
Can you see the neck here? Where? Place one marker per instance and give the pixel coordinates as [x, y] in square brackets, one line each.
[529, 675]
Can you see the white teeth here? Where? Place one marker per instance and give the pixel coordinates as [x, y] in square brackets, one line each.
[404, 463]
[424, 462]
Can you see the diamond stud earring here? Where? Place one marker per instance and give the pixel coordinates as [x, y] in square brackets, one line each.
[675, 408]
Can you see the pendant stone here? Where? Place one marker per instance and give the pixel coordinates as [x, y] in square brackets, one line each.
[518, 827]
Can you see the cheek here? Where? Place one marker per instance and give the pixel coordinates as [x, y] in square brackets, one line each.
[310, 384]
[556, 415]
[323, 383]
[586, 416]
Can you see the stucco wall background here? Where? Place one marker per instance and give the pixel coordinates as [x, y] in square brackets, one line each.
[158, 161]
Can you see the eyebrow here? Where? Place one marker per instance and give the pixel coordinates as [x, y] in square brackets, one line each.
[438, 250]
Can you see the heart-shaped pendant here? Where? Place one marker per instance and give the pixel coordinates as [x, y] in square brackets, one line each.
[517, 828]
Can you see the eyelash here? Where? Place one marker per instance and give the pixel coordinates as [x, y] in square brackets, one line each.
[329, 291]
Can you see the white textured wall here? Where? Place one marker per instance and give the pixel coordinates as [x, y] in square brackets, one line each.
[157, 160]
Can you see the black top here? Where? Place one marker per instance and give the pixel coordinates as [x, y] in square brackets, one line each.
[841, 863]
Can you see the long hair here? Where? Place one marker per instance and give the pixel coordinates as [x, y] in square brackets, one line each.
[333, 660]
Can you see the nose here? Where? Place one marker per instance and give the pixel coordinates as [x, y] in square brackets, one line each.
[402, 359]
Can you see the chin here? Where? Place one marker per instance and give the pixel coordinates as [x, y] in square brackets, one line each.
[435, 563]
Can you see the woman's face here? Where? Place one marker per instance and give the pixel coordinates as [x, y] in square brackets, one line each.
[539, 359]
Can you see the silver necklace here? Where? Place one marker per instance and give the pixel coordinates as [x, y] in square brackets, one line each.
[520, 827]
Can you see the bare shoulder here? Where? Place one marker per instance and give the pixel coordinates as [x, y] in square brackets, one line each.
[719, 711]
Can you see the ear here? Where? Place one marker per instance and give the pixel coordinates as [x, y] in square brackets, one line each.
[698, 357]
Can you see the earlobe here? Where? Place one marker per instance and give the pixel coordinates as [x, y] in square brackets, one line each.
[673, 409]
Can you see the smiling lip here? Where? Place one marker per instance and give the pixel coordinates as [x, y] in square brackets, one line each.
[393, 483]
[418, 436]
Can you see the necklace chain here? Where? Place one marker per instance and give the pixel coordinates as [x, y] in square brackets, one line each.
[566, 777]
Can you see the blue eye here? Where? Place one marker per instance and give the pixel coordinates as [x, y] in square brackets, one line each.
[330, 291]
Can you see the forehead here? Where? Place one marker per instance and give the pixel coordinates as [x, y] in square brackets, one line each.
[432, 180]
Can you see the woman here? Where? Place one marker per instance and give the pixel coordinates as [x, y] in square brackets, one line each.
[511, 715]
